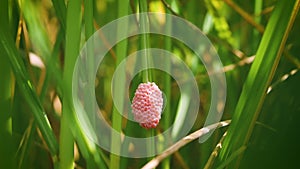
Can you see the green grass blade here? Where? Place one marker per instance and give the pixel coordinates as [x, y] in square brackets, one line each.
[121, 50]
[167, 116]
[6, 94]
[232, 157]
[89, 30]
[8, 49]
[60, 9]
[92, 156]
[88, 18]
[145, 44]
[145, 39]
[259, 77]
[5, 114]
[73, 33]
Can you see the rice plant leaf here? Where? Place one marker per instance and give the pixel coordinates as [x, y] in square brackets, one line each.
[60, 9]
[73, 32]
[259, 77]
[121, 51]
[6, 95]
[8, 49]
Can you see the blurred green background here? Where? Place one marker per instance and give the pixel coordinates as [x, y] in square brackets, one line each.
[40, 40]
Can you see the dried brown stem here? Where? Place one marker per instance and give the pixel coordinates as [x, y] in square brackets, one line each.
[215, 153]
[248, 18]
[243, 62]
[172, 149]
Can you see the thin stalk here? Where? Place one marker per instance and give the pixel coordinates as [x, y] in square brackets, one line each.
[257, 10]
[6, 95]
[88, 18]
[145, 41]
[145, 44]
[167, 78]
[214, 154]
[89, 30]
[167, 86]
[169, 7]
[60, 9]
[151, 144]
[233, 156]
[71, 53]
[121, 51]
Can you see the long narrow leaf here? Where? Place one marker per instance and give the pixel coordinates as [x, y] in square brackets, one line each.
[260, 75]
[121, 51]
[6, 86]
[73, 33]
[9, 50]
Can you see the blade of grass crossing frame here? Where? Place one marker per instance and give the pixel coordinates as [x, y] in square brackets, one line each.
[92, 156]
[145, 44]
[88, 23]
[89, 30]
[121, 50]
[167, 85]
[6, 86]
[144, 39]
[258, 5]
[73, 30]
[8, 49]
[5, 114]
[260, 75]
[60, 9]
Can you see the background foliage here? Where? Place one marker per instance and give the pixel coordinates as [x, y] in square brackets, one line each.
[40, 40]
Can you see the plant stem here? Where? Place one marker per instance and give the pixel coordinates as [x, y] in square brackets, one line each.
[92, 157]
[6, 95]
[89, 30]
[60, 9]
[71, 53]
[145, 41]
[167, 86]
[121, 51]
[187, 139]
[145, 45]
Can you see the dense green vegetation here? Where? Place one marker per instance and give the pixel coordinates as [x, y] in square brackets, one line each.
[258, 44]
